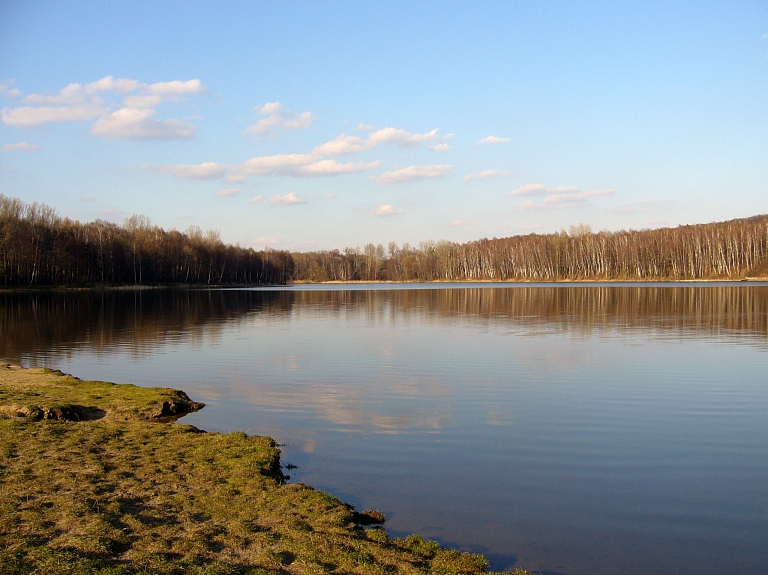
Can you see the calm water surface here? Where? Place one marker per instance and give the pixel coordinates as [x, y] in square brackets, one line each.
[570, 430]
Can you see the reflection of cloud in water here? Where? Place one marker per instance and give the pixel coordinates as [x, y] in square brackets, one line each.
[290, 362]
[390, 406]
[498, 417]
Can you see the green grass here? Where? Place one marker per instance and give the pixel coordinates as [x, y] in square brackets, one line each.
[113, 493]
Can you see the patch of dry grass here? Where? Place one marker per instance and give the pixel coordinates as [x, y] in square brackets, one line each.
[117, 495]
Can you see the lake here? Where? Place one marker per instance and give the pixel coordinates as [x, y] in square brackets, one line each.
[569, 429]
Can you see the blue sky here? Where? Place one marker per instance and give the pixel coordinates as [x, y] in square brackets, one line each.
[324, 125]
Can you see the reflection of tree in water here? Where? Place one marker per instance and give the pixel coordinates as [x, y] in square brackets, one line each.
[734, 310]
[35, 325]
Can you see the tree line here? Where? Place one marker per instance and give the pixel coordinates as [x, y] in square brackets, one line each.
[732, 249]
[39, 248]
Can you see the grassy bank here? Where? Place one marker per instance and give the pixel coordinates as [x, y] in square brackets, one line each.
[91, 481]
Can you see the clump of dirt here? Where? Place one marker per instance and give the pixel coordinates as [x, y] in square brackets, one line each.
[368, 517]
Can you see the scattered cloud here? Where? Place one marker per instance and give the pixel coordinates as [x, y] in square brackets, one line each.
[344, 144]
[228, 193]
[485, 174]
[330, 196]
[20, 147]
[459, 223]
[257, 199]
[413, 173]
[135, 124]
[204, 171]
[286, 200]
[495, 140]
[319, 162]
[385, 210]
[177, 88]
[87, 199]
[555, 197]
[7, 91]
[131, 121]
[34, 116]
[363, 127]
[540, 189]
[279, 117]
[296, 165]
[401, 138]
[332, 167]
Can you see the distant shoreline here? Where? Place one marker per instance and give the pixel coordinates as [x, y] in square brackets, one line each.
[144, 287]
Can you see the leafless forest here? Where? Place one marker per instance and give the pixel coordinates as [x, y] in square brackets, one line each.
[39, 248]
[732, 249]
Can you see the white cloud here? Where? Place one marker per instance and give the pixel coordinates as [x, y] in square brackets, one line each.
[279, 117]
[385, 210]
[279, 164]
[204, 171]
[286, 200]
[228, 193]
[147, 101]
[540, 189]
[485, 174]
[177, 87]
[401, 138]
[495, 140]
[33, 116]
[458, 223]
[20, 147]
[87, 199]
[77, 103]
[555, 197]
[296, 165]
[110, 84]
[135, 124]
[7, 91]
[412, 173]
[257, 199]
[343, 145]
[332, 168]
[363, 127]
[316, 163]
[331, 196]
